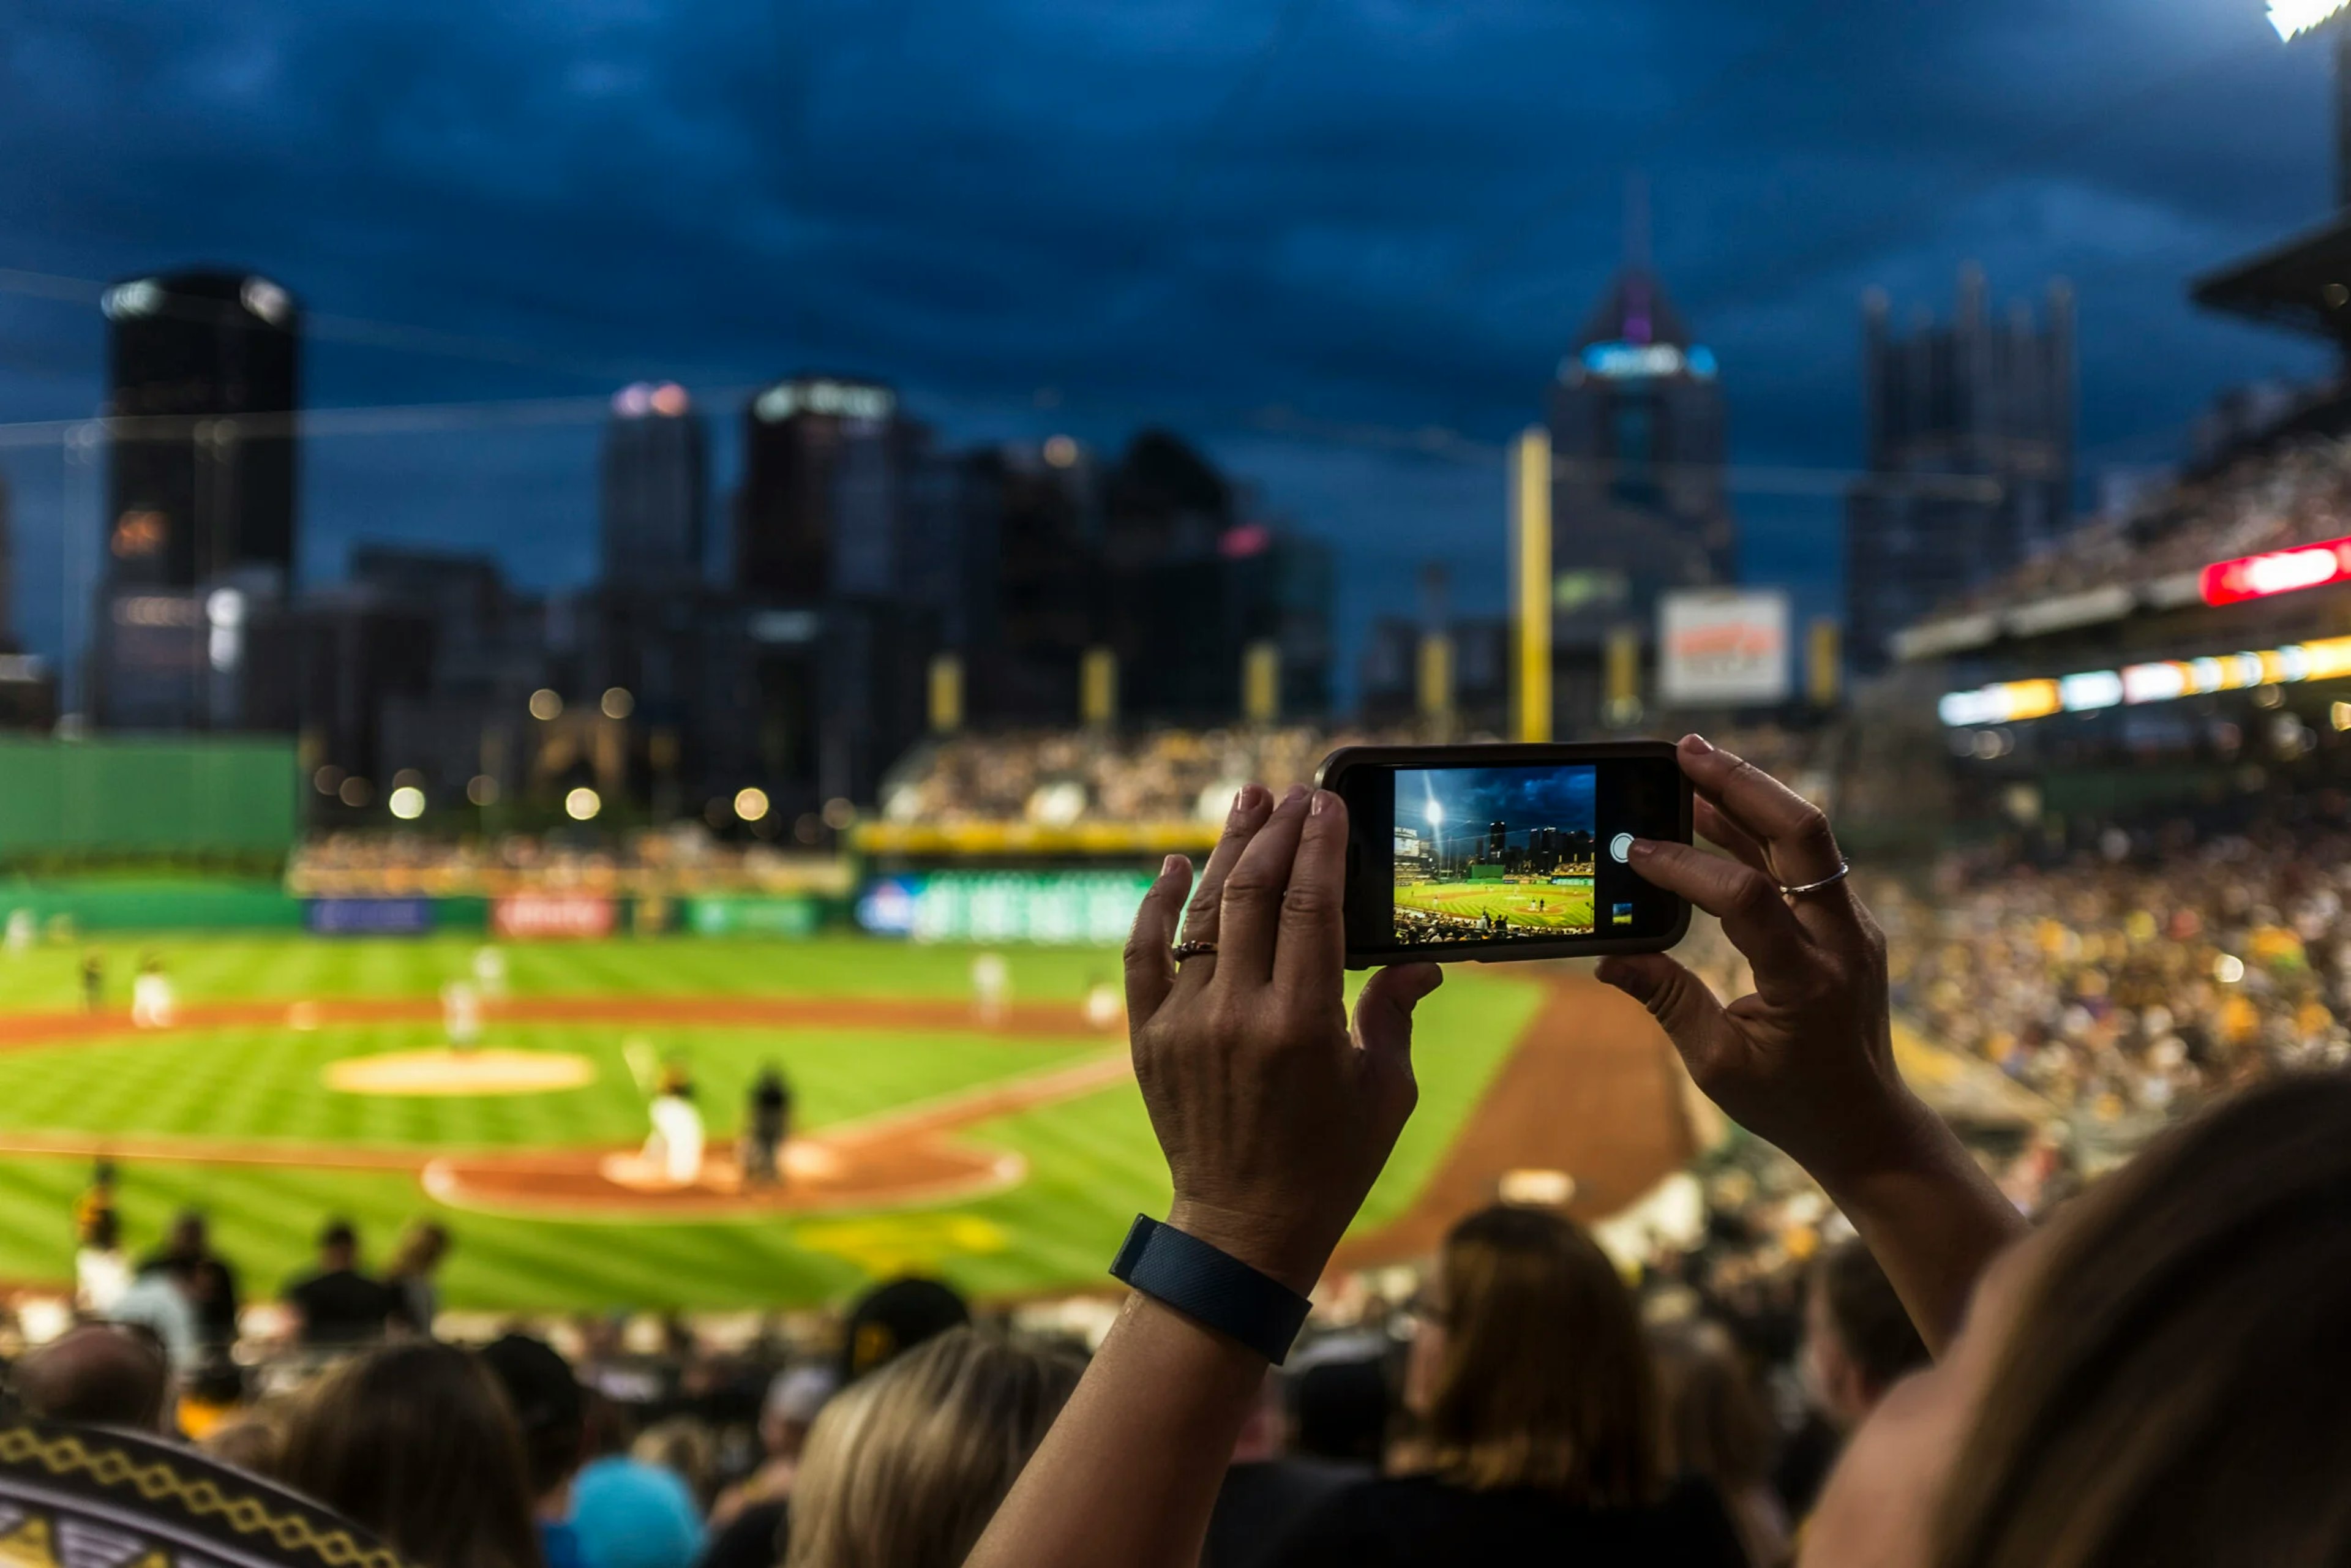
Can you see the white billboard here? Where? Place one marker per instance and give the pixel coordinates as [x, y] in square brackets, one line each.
[1722, 647]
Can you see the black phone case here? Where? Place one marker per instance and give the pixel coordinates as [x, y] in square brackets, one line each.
[1507, 754]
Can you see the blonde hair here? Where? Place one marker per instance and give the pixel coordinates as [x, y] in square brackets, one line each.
[904, 1469]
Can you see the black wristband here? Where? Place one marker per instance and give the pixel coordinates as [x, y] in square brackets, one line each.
[1211, 1286]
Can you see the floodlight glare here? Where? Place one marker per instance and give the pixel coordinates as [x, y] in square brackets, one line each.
[2294, 17]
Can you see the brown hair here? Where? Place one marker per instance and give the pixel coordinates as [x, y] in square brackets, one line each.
[416, 1442]
[1872, 1324]
[904, 1469]
[1544, 1380]
[2172, 1390]
[1716, 1425]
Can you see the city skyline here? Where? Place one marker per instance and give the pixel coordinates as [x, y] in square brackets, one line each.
[1430, 276]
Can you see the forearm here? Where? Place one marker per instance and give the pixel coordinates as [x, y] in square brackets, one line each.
[1929, 1215]
[1131, 1469]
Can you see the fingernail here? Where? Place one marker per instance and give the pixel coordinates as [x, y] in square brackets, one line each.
[1321, 798]
[1296, 793]
[1169, 866]
[1697, 742]
[1641, 849]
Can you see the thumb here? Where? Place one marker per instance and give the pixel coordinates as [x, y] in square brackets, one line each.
[1676, 999]
[1383, 1013]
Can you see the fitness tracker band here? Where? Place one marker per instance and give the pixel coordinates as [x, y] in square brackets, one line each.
[1210, 1286]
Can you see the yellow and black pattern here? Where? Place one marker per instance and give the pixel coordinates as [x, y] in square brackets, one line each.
[142, 1504]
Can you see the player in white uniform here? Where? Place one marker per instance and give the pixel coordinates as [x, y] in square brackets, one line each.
[151, 997]
[675, 1146]
[991, 987]
[490, 971]
[461, 1015]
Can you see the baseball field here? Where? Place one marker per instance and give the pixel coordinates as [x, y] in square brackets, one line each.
[303, 1078]
[1541, 906]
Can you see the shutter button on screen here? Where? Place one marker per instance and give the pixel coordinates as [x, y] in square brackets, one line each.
[1620, 846]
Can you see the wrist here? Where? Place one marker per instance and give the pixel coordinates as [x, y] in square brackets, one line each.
[1893, 1132]
[1274, 1246]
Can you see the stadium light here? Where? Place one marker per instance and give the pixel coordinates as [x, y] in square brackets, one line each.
[2275, 571]
[546, 704]
[750, 803]
[407, 802]
[2293, 18]
[618, 703]
[482, 789]
[582, 804]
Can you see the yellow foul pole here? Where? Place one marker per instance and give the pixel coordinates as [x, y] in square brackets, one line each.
[1530, 570]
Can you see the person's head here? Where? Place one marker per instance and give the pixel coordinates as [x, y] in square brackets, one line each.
[338, 1245]
[190, 1235]
[686, 1448]
[547, 1409]
[894, 1317]
[99, 1375]
[1715, 1422]
[1530, 1369]
[2153, 1379]
[415, 1441]
[101, 1176]
[1858, 1340]
[904, 1469]
[793, 1402]
[105, 1230]
[422, 1248]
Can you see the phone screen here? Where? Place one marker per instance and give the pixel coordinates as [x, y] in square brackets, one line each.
[1495, 854]
[1507, 851]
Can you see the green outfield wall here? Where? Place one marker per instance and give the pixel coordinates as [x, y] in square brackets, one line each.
[135, 795]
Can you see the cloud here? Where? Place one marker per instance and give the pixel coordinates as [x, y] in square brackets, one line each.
[1373, 211]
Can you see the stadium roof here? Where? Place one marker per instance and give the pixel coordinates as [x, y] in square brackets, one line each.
[2304, 283]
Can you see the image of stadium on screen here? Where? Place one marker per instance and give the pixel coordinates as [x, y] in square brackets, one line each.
[1485, 854]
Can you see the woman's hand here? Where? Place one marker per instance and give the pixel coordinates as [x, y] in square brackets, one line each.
[1274, 1115]
[1807, 1061]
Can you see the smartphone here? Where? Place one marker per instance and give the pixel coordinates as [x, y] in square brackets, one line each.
[1498, 853]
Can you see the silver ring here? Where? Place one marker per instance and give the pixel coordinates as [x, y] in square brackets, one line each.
[1838, 875]
[1195, 950]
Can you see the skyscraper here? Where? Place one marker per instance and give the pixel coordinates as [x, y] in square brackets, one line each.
[821, 505]
[203, 371]
[204, 380]
[1637, 497]
[652, 497]
[1971, 456]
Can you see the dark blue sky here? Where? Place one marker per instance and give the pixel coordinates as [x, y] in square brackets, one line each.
[1472, 799]
[1300, 230]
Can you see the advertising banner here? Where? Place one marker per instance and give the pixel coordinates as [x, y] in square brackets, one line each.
[1722, 647]
[529, 917]
[753, 916]
[368, 917]
[1051, 907]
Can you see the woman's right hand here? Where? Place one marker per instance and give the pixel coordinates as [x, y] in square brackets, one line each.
[1806, 1061]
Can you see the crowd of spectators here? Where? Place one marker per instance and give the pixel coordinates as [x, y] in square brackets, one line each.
[2296, 495]
[2127, 985]
[682, 858]
[887, 1436]
[1057, 778]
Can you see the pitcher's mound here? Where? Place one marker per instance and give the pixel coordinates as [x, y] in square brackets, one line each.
[455, 1072]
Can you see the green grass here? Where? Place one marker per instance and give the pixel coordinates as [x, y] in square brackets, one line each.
[1537, 904]
[1092, 1163]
